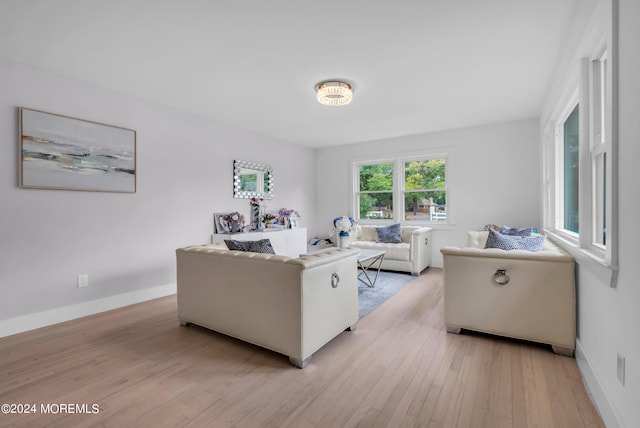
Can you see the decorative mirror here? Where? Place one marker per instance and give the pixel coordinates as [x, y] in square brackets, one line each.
[252, 180]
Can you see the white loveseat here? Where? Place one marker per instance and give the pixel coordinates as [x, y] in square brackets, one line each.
[289, 305]
[533, 299]
[412, 255]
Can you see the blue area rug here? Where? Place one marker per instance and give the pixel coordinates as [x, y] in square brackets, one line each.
[388, 284]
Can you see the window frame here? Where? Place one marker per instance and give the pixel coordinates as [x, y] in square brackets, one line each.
[597, 110]
[558, 142]
[398, 187]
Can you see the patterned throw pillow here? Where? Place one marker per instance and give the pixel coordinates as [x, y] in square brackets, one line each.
[261, 246]
[237, 245]
[508, 242]
[516, 231]
[389, 234]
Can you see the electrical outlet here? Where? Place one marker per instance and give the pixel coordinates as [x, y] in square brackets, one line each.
[621, 363]
[83, 280]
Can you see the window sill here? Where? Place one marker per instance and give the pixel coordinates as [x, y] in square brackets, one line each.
[593, 261]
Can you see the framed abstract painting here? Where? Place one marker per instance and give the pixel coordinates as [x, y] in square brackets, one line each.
[66, 153]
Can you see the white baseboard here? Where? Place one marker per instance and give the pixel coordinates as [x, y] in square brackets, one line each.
[53, 316]
[599, 396]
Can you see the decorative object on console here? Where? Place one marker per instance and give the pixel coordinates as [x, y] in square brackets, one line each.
[269, 219]
[257, 207]
[64, 153]
[235, 220]
[342, 228]
[284, 214]
[220, 224]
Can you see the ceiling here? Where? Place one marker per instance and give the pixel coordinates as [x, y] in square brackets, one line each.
[417, 66]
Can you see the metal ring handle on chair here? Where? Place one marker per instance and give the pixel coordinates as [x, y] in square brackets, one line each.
[335, 280]
[501, 277]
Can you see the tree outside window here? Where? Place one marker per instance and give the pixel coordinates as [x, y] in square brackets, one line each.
[375, 191]
[425, 197]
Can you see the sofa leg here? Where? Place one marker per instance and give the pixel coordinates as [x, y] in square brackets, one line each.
[562, 350]
[300, 363]
[454, 330]
[352, 327]
[184, 323]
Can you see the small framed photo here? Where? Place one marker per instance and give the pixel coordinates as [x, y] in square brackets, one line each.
[220, 223]
[292, 222]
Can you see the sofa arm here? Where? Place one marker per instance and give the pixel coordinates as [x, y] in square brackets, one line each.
[420, 249]
[554, 255]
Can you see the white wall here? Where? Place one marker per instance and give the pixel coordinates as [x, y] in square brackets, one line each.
[608, 318]
[124, 242]
[492, 176]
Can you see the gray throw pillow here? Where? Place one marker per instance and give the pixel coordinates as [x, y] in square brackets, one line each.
[390, 234]
[261, 246]
[509, 242]
[232, 244]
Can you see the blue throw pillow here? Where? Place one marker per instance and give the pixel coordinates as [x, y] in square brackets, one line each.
[389, 234]
[509, 242]
[516, 231]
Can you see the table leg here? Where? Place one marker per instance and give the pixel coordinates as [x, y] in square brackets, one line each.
[364, 270]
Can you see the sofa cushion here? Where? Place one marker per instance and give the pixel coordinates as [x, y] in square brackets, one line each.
[261, 246]
[389, 234]
[509, 242]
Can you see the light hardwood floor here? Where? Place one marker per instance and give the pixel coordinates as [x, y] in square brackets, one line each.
[399, 368]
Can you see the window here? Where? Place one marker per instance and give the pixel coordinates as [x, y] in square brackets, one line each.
[402, 190]
[375, 195]
[570, 140]
[578, 164]
[598, 152]
[425, 196]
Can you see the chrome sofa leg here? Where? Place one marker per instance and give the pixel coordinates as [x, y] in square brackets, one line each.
[454, 330]
[562, 350]
[300, 363]
[184, 323]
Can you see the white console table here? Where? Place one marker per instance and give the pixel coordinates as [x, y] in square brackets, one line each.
[285, 242]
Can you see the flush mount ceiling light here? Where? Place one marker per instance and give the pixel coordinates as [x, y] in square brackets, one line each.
[334, 93]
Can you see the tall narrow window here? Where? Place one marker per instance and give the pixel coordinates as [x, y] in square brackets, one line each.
[599, 148]
[425, 196]
[375, 195]
[570, 206]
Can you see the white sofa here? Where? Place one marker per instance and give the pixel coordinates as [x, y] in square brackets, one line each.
[412, 255]
[537, 303]
[289, 305]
